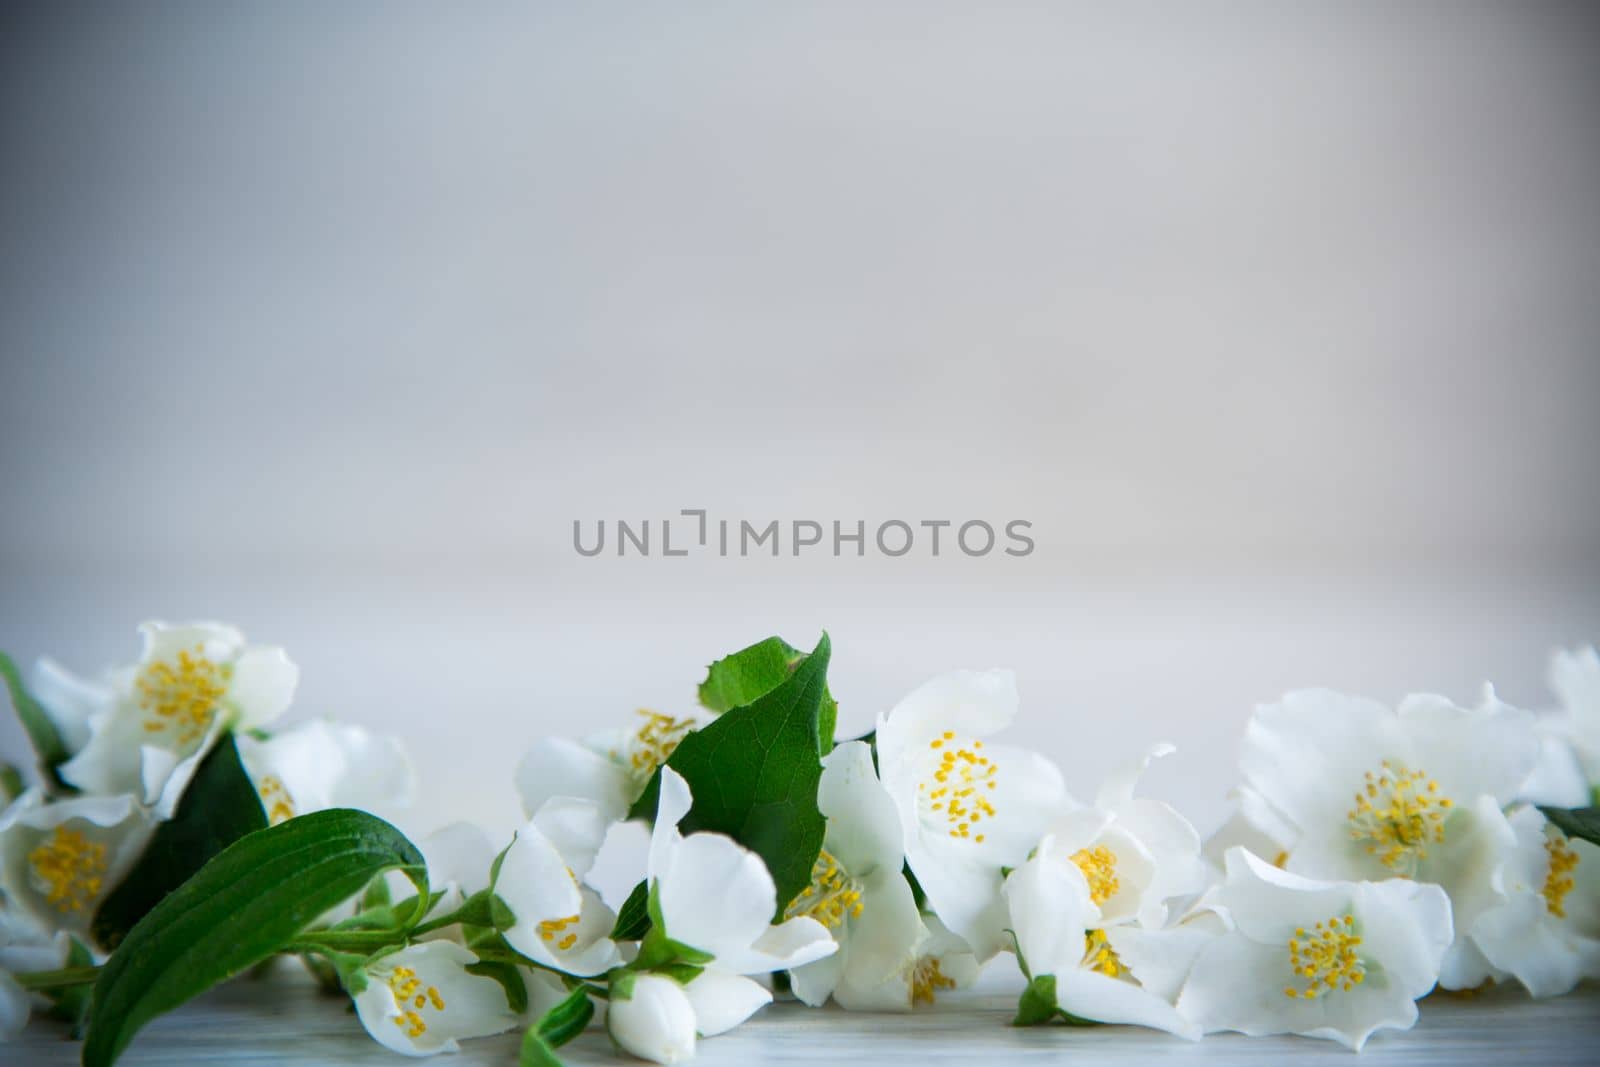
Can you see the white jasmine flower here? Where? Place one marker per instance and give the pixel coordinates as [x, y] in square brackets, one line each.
[59, 860]
[1060, 932]
[717, 898]
[24, 947]
[321, 764]
[192, 683]
[939, 962]
[1547, 931]
[655, 1022]
[422, 1000]
[1136, 854]
[967, 808]
[1363, 792]
[611, 767]
[560, 922]
[857, 889]
[1338, 960]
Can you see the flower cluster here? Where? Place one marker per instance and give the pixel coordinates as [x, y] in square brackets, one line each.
[1375, 853]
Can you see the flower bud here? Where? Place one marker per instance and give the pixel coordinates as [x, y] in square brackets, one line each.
[656, 1022]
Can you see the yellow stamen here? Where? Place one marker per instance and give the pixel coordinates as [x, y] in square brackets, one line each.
[71, 866]
[1098, 955]
[1398, 813]
[655, 741]
[182, 695]
[832, 896]
[412, 997]
[276, 799]
[927, 979]
[952, 789]
[1327, 958]
[1559, 882]
[1099, 867]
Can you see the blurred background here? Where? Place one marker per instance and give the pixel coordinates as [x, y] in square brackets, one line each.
[1280, 323]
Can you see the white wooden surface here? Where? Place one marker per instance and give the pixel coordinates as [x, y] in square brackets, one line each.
[283, 1019]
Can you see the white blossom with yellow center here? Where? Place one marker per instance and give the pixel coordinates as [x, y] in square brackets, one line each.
[1353, 790]
[422, 1000]
[1054, 901]
[145, 730]
[858, 892]
[59, 860]
[1546, 934]
[967, 806]
[610, 768]
[1332, 959]
[559, 921]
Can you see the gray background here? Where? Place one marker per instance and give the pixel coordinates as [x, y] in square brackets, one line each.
[1279, 321]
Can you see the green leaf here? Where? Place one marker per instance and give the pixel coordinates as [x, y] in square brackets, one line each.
[633, 918]
[568, 1019]
[219, 807]
[753, 774]
[658, 951]
[247, 903]
[746, 676]
[377, 894]
[41, 731]
[1038, 1002]
[1582, 823]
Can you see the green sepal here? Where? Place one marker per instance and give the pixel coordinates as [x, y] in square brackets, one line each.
[377, 894]
[509, 975]
[682, 973]
[619, 983]
[633, 918]
[1581, 823]
[658, 950]
[567, 1019]
[48, 746]
[12, 784]
[1038, 1002]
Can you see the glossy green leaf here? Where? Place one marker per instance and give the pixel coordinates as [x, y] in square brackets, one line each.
[244, 905]
[1582, 823]
[746, 676]
[754, 772]
[218, 808]
[42, 733]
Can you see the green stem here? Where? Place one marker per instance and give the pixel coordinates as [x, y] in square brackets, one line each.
[346, 940]
[66, 976]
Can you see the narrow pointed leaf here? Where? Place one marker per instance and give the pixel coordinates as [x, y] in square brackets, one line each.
[244, 905]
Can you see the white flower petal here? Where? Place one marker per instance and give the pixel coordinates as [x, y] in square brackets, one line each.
[885, 938]
[577, 827]
[863, 824]
[965, 894]
[1491, 749]
[15, 1007]
[70, 701]
[1091, 995]
[971, 703]
[814, 982]
[1050, 909]
[715, 895]
[559, 767]
[534, 883]
[1307, 753]
[722, 1001]
[1117, 788]
[791, 943]
[263, 685]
